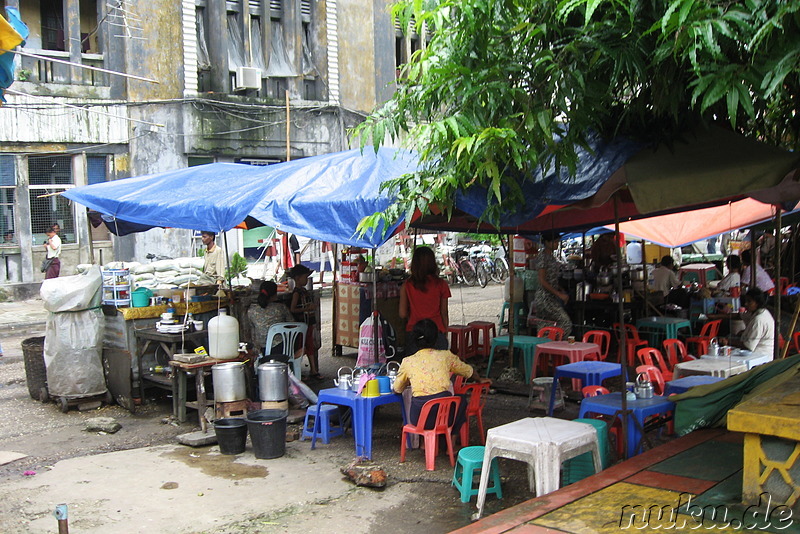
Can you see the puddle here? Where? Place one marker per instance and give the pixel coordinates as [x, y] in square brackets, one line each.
[217, 465]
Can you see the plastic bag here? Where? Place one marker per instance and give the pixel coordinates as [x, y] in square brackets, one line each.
[366, 343]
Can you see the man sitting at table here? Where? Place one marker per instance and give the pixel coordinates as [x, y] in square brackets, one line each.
[759, 334]
[428, 372]
[664, 278]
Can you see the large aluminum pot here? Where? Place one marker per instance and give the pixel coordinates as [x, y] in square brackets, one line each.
[273, 381]
[229, 381]
[637, 275]
[604, 279]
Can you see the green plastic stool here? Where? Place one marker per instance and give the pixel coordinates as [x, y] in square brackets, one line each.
[582, 466]
[469, 464]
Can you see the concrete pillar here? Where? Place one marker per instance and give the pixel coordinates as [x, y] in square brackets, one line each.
[72, 36]
[23, 219]
[80, 175]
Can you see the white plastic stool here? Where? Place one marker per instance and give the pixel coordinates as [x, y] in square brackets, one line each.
[544, 443]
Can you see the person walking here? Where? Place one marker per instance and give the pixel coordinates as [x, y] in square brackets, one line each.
[550, 299]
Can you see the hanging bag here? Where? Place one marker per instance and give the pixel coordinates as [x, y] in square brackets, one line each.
[46, 263]
[366, 351]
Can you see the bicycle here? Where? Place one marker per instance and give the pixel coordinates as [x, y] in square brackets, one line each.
[459, 269]
[487, 267]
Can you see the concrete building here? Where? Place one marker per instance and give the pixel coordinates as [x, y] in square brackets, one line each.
[228, 72]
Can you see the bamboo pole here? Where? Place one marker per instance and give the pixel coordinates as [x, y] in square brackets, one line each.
[622, 333]
[79, 65]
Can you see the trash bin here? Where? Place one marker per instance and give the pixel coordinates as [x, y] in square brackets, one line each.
[35, 370]
[267, 433]
[231, 435]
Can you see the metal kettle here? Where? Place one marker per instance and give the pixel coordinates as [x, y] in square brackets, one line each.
[713, 347]
[344, 381]
[643, 388]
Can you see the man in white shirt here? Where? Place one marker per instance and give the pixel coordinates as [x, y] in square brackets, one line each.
[763, 280]
[53, 248]
[664, 278]
[214, 261]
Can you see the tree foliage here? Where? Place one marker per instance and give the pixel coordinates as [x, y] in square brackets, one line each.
[499, 81]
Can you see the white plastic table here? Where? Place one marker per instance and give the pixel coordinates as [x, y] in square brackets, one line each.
[706, 366]
[741, 356]
[543, 443]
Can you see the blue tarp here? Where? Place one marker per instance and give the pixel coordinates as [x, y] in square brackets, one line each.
[321, 197]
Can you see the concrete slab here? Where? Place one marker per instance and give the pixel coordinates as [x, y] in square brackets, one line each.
[198, 439]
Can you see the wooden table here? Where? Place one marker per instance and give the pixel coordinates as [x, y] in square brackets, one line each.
[711, 367]
[771, 422]
[179, 387]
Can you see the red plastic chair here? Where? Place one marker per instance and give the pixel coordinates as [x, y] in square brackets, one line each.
[651, 356]
[446, 406]
[655, 377]
[476, 401]
[632, 340]
[676, 353]
[709, 331]
[599, 337]
[594, 391]
[553, 332]
[796, 341]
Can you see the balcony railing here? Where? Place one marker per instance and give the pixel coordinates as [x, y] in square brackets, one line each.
[43, 71]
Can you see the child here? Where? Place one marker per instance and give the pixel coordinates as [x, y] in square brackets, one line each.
[302, 308]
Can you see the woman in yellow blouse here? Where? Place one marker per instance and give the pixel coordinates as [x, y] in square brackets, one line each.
[428, 371]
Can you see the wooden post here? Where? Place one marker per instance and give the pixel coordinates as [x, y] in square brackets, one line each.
[288, 129]
[623, 350]
[777, 253]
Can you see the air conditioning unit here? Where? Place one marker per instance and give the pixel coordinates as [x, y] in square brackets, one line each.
[248, 78]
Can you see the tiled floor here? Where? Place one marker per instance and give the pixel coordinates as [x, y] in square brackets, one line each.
[691, 484]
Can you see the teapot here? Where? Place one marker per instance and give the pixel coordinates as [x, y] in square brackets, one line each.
[358, 374]
[391, 372]
[713, 347]
[344, 381]
[644, 388]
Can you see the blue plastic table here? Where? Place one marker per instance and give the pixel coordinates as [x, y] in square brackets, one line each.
[590, 373]
[363, 410]
[658, 329]
[526, 344]
[611, 404]
[681, 385]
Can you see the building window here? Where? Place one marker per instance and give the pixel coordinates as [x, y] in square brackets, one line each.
[7, 184]
[52, 23]
[47, 175]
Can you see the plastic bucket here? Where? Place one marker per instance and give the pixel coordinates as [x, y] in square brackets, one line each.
[267, 433]
[231, 435]
[35, 370]
[140, 298]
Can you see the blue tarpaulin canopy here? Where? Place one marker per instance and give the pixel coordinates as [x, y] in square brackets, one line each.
[321, 197]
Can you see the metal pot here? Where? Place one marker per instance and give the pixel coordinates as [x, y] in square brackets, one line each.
[273, 381]
[637, 275]
[643, 388]
[604, 279]
[229, 381]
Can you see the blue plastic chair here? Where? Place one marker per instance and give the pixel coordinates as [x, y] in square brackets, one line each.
[289, 334]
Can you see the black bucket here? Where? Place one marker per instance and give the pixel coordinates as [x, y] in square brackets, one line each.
[35, 370]
[267, 433]
[231, 435]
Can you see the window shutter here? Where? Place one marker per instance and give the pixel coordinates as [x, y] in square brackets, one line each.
[305, 10]
[275, 8]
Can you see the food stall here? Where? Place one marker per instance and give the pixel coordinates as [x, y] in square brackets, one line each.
[353, 291]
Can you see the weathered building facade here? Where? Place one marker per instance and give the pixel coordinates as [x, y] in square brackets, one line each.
[229, 73]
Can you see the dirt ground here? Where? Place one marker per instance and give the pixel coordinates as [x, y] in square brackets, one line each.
[47, 436]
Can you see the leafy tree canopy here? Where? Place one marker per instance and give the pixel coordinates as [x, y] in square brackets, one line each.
[499, 80]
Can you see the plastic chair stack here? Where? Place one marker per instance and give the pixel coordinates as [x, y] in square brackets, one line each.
[293, 336]
[580, 467]
[442, 426]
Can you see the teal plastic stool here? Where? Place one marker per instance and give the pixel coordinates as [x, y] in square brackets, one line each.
[469, 464]
[580, 467]
[520, 316]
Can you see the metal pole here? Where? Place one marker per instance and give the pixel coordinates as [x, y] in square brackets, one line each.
[61, 515]
[753, 257]
[376, 348]
[777, 252]
[622, 333]
[335, 286]
[288, 130]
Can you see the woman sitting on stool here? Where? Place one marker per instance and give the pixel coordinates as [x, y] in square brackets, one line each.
[428, 371]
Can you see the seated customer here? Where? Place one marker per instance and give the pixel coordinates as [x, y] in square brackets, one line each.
[428, 371]
[759, 334]
[733, 279]
[262, 317]
[664, 278]
[763, 280]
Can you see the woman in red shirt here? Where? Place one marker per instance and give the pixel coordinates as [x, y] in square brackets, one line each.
[424, 296]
